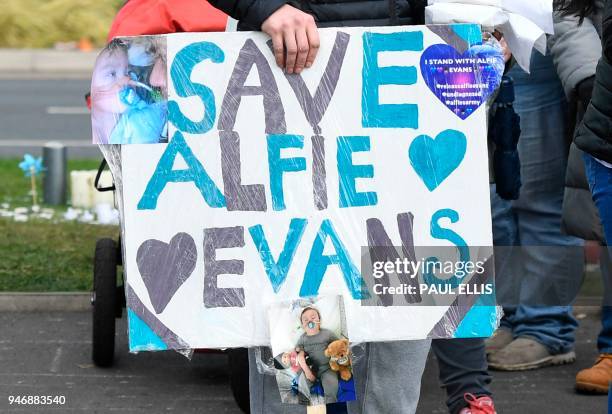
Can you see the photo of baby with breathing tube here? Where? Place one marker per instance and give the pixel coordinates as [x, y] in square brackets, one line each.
[311, 349]
[129, 92]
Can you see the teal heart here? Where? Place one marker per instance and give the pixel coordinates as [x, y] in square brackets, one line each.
[435, 159]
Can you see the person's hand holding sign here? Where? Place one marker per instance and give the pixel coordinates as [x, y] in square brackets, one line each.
[295, 38]
[506, 52]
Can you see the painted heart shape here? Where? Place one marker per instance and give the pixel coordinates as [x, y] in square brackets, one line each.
[462, 81]
[436, 159]
[164, 267]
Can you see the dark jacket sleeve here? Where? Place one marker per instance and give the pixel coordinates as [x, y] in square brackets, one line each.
[575, 49]
[250, 12]
[595, 133]
[606, 36]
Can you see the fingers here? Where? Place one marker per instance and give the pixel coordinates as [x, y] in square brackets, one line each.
[278, 48]
[313, 42]
[302, 50]
[291, 50]
[506, 52]
[295, 39]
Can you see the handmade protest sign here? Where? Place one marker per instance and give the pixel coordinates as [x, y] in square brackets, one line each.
[265, 187]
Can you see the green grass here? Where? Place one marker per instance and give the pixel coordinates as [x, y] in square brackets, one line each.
[15, 189]
[41, 255]
[47, 256]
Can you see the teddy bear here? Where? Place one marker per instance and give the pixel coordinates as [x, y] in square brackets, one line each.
[340, 358]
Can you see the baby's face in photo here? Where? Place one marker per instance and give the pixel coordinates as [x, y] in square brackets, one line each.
[109, 78]
[158, 77]
[286, 359]
[311, 322]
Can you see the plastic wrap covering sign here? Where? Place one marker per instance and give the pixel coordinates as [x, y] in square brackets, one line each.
[273, 187]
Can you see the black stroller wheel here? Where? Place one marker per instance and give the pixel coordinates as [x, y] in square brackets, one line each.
[104, 301]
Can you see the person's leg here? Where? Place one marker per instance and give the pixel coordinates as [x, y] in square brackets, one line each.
[604, 340]
[388, 377]
[329, 381]
[600, 182]
[265, 396]
[598, 377]
[552, 263]
[553, 267]
[462, 369]
[505, 236]
[507, 290]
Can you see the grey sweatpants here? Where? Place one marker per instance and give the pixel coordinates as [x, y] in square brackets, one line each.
[329, 381]
[387, 380]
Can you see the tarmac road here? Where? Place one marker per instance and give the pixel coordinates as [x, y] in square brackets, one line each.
[544, 391]
[38, 110]
[49, 354]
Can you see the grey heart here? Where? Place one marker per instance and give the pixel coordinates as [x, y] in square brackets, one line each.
[165, 267]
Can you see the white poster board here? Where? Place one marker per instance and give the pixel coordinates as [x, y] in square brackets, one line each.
[271, 183]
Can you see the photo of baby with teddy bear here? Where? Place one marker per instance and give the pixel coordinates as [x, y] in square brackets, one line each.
[314, 365]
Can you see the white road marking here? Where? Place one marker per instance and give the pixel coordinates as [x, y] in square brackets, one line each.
[41, 143]
[68, 110]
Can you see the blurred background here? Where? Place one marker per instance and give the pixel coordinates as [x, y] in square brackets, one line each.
[47, 52]
[51, 220]
[59, 24]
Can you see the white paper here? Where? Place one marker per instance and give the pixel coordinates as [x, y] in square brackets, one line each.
[539, 12]
[522, 42]
[486, 16]
[181, 295]
[524, 23]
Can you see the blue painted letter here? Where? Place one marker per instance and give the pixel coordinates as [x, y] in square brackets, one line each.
[348, 173]
[195, 172]
[180, 72]
[437, 232]
[277, 270]
[318, 263]
[375, 114]
[278, 165]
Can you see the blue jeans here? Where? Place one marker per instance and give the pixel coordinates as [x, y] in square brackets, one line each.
[604, 340]
[600, 182]
[535, 218]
